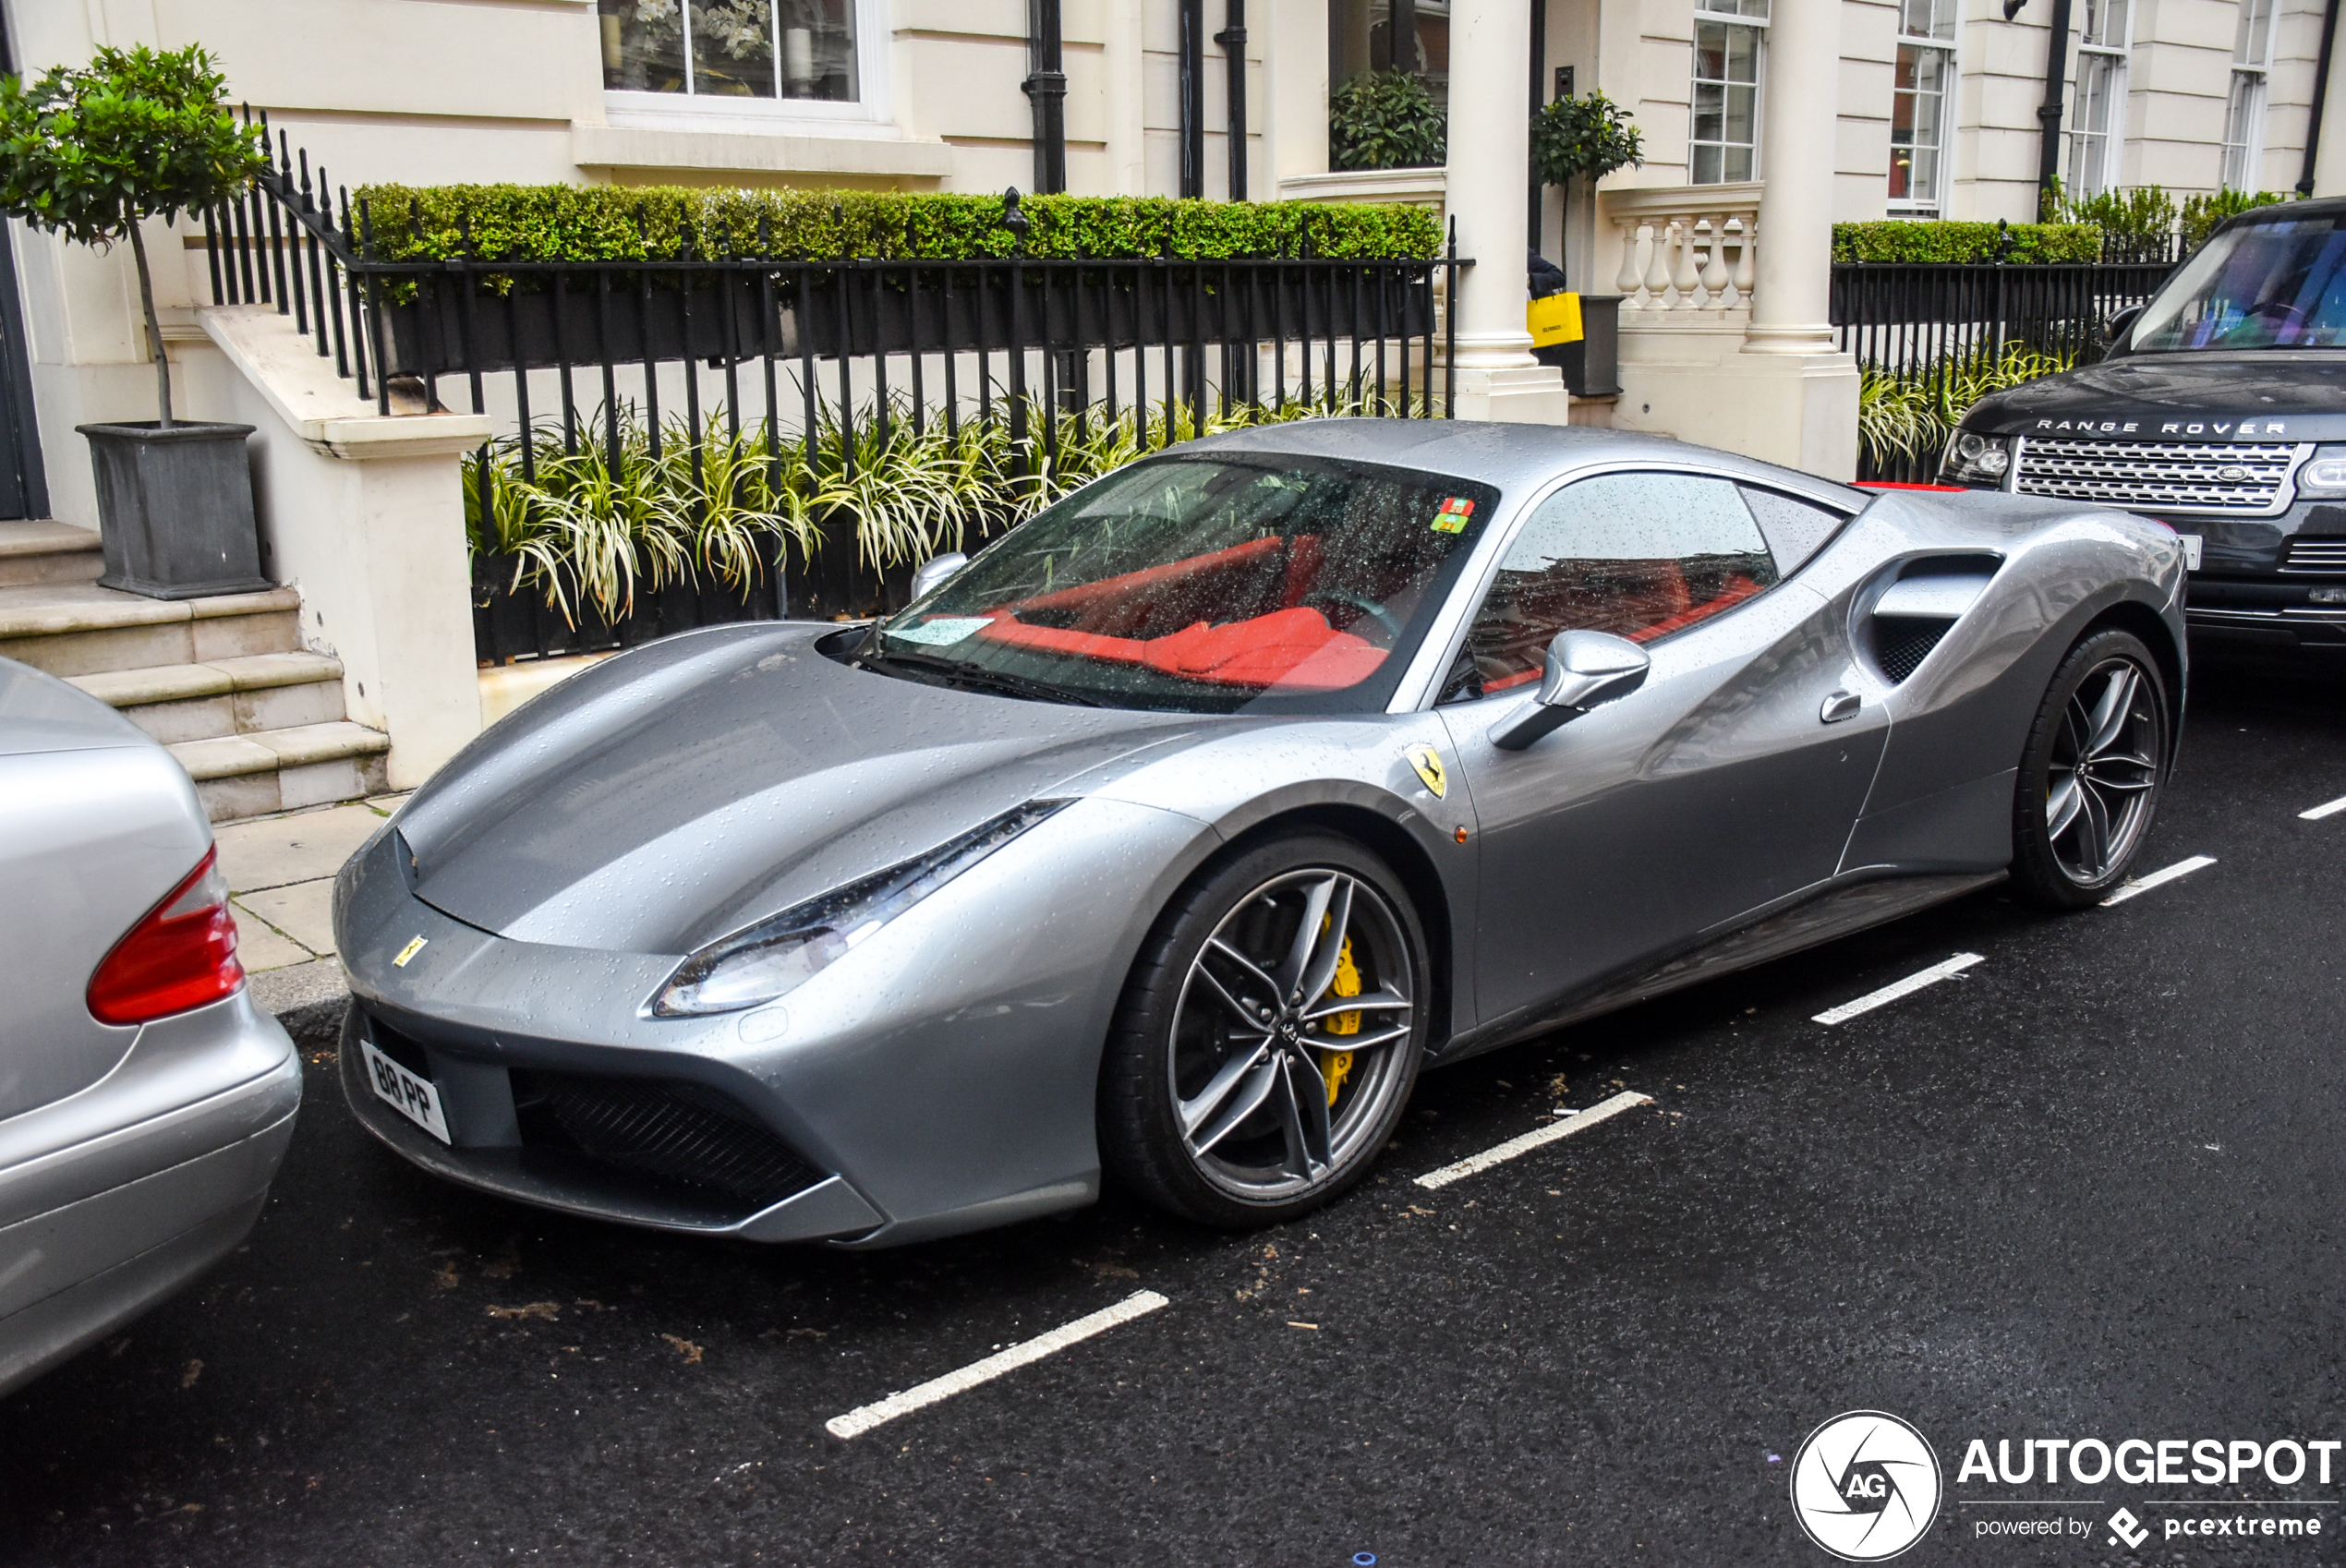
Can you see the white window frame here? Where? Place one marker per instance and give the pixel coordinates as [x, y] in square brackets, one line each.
[691, 111]
[2244, 145]
[2109, 60]
[1759, 26]
[1933, 204]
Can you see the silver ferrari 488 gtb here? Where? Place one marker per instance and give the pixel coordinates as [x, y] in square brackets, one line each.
[1178, 829]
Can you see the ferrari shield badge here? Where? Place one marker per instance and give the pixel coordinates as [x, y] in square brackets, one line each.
[1428, 762]
[418, 943]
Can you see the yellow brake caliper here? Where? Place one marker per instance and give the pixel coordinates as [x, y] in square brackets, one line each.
[1336, 1065]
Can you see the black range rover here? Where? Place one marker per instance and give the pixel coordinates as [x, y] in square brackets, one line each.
[2221, 411]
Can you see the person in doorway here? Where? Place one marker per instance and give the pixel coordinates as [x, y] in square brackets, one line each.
[1546, 278]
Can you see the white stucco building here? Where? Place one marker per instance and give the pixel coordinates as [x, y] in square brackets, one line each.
[1764, 120]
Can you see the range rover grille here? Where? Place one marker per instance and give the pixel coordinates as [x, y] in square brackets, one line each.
[2315, 555]
[2237, 477]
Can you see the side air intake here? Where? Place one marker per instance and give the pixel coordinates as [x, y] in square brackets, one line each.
[1915, 613]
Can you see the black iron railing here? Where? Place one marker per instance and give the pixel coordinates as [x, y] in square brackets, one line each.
[1931, 336]
[565, 353]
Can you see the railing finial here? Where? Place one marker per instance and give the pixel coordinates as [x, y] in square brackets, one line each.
[1014, 220]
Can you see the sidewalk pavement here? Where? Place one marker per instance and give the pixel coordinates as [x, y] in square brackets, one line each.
[281, 883]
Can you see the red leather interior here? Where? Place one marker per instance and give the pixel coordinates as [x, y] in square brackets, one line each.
[1135, 603]
[1638, 599]
[1141, 618]
[1294, 648]
[1733, 592]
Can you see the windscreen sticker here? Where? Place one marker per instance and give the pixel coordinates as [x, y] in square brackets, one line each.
[943, 631]
[1452, 518]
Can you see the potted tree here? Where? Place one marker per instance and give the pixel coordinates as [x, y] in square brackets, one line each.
[91, 152]
[1586, 139]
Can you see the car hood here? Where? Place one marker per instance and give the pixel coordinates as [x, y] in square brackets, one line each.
[677, 792]
[2197, 396]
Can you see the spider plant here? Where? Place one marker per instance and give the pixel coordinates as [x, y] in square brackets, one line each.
[586, 529]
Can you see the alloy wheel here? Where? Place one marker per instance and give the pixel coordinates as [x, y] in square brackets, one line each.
[1289, 1035]
[2104, 771]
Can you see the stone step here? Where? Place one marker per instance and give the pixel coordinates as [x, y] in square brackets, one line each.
[228, 697]
[82, 629]
[48, 552]
[271, 770]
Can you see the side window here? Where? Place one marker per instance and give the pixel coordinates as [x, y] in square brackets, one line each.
[1796, 529]
[1639, 555]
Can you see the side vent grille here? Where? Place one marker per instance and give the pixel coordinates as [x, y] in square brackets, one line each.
[1900, 645]
[1914, 614]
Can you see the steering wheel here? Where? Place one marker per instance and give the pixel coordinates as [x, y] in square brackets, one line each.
[1368, 607]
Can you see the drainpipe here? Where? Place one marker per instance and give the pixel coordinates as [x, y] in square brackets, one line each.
[2321, 93]
[1046, 86]
[1538, 69]
[1192, 87]
[2048, 113]
[1232, 38]
[1401, 36]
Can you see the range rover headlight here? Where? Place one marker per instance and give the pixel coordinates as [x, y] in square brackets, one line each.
[780, 954]
[1974, 459]
[2324, 474]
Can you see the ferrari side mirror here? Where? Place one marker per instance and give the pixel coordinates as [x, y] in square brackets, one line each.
[935, 571]
[1585, 669]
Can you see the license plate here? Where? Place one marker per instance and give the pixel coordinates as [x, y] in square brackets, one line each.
[2191, 550]
[412, 1097]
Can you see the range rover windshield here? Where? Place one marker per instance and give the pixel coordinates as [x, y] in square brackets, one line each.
[1215, 584]
[2279, 284]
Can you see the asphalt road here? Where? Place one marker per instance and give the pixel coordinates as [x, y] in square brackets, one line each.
[2090, 1187]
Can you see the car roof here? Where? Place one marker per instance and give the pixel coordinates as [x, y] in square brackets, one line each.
[1509, 456]
[2282, 212]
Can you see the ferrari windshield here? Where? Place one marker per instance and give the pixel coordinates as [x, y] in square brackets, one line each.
[2279, 284]
[1213, 583]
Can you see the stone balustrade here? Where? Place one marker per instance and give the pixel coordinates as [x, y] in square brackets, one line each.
[1681, 255]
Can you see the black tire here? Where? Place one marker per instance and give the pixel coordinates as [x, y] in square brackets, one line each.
[1179, 1039]
[2077, 831]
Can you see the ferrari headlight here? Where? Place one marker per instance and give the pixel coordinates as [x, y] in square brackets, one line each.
[778, 954]
[1974, 459]
[2325, 475]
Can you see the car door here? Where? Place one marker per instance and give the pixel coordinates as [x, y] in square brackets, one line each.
[1717, 788]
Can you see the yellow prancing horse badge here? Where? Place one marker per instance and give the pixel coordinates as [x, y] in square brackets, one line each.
[417, 945]
[1428, 762]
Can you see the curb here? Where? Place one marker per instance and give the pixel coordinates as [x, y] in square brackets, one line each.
[307, 999]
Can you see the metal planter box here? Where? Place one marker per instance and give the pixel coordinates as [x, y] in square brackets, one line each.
[175, 509]
[442, 333]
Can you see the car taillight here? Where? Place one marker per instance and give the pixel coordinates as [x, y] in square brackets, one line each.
[181, 955]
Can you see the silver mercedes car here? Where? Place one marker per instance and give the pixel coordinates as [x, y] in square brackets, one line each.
[1173, 835]
[145, 1102]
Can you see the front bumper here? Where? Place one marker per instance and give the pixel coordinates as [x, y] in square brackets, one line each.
[938, 1079]
[634, 1166]
[114, 1198]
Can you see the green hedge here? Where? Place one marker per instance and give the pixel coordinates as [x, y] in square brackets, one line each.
[1937, 240]
[551, 222]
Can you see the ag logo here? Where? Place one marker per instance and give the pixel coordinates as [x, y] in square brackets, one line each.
[1865, 1486]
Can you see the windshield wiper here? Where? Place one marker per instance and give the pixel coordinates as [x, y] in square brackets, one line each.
[952, 672]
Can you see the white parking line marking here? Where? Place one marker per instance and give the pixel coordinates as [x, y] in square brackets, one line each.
[2145, 884]
[1626, 1099]
[2328, 808]
[864, 1417]
[1892, 992]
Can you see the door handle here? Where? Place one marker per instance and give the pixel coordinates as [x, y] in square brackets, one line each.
[1841, 705]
